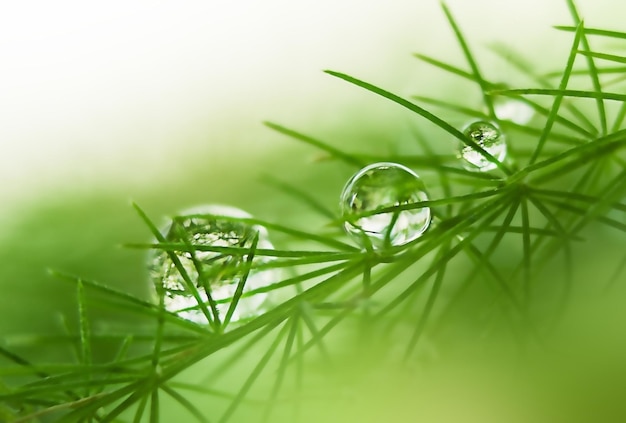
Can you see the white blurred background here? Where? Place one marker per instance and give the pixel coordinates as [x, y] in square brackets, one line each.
[100, 93]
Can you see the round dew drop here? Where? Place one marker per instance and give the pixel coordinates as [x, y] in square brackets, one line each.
[489, 137]
[211, 226]
[379, 186]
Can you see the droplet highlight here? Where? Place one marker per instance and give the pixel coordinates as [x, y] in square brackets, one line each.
[218, 272]
[380, 186]
[490, 138]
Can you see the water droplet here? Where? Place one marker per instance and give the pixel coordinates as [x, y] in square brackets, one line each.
[378, 186]
[221, 272]
[513, 110]
[488, 136]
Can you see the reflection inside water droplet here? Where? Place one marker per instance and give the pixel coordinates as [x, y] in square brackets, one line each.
[489, 137]
[211, 226]
[379, 186]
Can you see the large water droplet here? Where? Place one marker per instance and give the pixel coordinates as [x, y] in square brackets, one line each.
[515, 111]
[221, 272]
[489, 137]
[378, 186]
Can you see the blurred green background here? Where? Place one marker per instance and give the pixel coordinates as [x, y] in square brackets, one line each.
[162, 103]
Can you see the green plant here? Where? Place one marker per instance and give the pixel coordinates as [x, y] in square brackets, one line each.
[486, 267]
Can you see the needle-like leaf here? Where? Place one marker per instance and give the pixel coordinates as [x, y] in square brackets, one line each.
[424, 113]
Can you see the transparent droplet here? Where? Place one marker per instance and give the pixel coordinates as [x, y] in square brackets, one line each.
[513, 110]
[489, 137]
[219, 272]
[379, 186]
